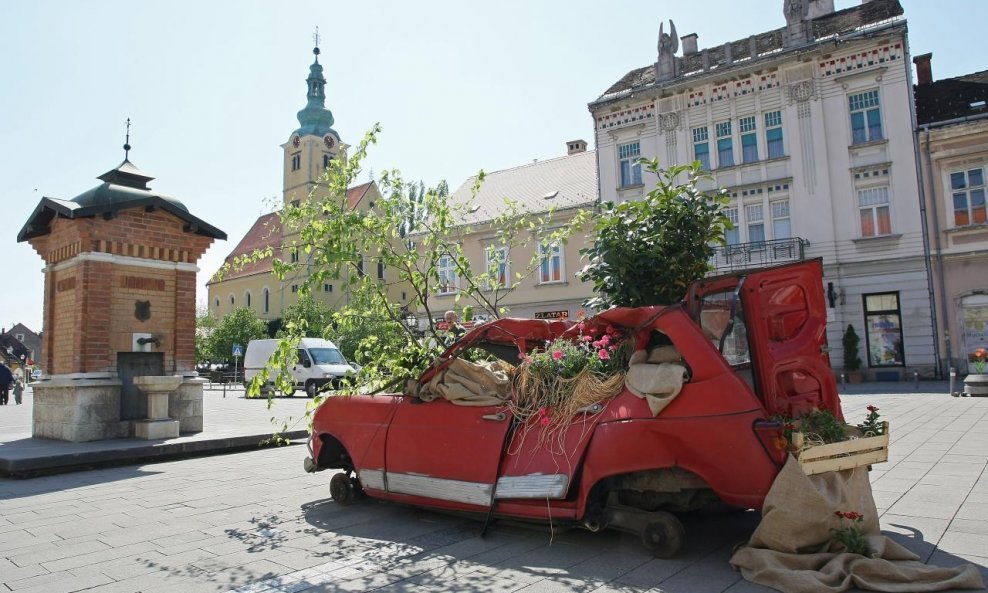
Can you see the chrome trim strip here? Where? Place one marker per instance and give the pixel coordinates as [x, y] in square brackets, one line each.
[371, 478]
[419, 485]
[533, 486]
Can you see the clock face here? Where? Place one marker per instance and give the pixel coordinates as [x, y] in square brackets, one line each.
[296, 141]
[329, 140]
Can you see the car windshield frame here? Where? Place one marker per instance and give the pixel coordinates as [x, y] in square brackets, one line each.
[326, 356]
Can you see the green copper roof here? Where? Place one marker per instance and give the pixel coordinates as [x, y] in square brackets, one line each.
[315, 119]
[122, 184]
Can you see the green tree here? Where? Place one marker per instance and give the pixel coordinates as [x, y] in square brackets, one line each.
[410, 232]
[646, 252]
[205, 326]
[239, 327]
[307, 317]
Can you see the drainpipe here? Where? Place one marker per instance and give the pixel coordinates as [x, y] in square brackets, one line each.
[924, 227]
[936, 237]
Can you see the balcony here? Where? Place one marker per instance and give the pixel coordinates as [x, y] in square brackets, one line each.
[743, 256]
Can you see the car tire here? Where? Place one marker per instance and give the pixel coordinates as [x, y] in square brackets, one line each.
[341, 489]
[311, 389]
[663, 535]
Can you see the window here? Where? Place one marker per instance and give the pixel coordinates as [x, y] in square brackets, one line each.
[293, 256]
[631, 169]
[496, 265]
[294, 287]
[296, 161]
[733, 236]
[266, 300]
[884, 329]
[327, 288]
[326, 158]
[749, 139]
[247, 299]
[217, 302]
[20, 337]
[446, 268]
[725, 145]
[701, 147]
[552, 263]
[866, 117]
[754, 216]
[873, 208]
[233, 301]
[968, 189]
[781, 226]
[974, 317]
[773, 134]
[360, 267]
[380, 269]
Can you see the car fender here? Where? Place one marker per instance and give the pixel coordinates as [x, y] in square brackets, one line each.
[722, 450]
[359, 423]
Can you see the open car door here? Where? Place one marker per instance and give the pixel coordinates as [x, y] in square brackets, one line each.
[772, 325]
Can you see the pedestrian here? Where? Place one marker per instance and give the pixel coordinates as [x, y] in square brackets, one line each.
[453, 328]
[18, 392]
[6, 378]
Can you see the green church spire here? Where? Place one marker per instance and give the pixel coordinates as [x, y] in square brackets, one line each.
[315, 119]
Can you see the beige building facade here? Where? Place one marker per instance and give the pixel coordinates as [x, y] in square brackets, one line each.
[809, 128]
[952, 132]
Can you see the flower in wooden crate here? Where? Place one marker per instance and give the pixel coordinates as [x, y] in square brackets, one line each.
[872, 426]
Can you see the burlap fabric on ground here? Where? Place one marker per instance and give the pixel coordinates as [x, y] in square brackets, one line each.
[658, 383]
[468, 383]
[792, 549]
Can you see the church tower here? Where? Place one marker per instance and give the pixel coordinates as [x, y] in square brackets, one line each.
[314, 144]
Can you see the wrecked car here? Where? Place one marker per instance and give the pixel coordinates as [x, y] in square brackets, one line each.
[739, 349]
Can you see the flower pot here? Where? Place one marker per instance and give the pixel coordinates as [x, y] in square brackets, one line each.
[855, 376]
[976, 385]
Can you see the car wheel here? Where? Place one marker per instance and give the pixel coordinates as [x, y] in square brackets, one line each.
[311, 389]
[341, 489]
[663, 535]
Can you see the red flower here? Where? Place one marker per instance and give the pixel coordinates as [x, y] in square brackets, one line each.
[544, 421]
[557, 354]
[603, 355]
[872, 409]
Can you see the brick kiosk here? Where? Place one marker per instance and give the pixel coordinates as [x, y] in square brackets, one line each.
[120, 296]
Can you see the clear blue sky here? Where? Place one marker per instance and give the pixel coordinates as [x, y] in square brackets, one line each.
[212, 89]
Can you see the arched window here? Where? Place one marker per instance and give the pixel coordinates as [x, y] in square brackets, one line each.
[217, 302]
[247, 299]
[267, 300]
[233, 300]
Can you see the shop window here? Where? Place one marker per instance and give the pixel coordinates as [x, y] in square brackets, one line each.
[883, 323]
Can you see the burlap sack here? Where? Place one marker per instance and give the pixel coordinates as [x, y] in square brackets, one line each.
[658, 384]
[470, 384]
[792, 549]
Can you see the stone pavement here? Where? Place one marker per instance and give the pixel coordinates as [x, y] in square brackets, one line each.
[255, 522]
[231, 423]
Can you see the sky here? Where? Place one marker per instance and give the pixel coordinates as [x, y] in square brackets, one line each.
[212, 89]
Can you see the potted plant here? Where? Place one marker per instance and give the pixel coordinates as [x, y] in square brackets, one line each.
[852, 361]
[976, 383]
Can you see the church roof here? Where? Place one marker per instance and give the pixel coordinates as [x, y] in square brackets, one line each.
[565, 182]
[267, 232]
[952, 98]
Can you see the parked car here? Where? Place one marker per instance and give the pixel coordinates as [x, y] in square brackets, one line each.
[753, 345]
[319, 362]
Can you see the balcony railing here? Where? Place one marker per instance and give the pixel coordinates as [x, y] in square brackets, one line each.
[742, 256]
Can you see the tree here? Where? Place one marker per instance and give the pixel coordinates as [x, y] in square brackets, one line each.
[307, 317]
[239, 327]
[850, 341]
[205, 326]
[410, 230]
[646, 252]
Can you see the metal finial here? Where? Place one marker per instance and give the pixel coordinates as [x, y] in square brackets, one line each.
[126, 145]
[315, 36]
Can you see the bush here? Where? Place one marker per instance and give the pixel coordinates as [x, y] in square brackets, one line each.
[852, 361]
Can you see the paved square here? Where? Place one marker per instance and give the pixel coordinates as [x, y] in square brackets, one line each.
[256, 522]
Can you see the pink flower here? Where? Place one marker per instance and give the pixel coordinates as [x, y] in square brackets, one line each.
[557, 354]
[544, 421]
[603, 355]
[610, 329]
[586, 338]
[605, 340]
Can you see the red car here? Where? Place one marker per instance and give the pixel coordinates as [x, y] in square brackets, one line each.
[753, 345]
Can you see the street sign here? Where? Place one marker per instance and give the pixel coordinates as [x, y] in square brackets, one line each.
[238, 350]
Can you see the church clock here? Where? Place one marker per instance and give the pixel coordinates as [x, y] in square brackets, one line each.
[296, 141]
[329, 140]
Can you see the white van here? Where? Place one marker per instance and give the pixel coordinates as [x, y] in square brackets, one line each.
[319, 362]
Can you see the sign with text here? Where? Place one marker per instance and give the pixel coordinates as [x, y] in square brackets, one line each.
[552, 314]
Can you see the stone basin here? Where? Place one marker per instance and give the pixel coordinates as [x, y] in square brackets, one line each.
[158, 383]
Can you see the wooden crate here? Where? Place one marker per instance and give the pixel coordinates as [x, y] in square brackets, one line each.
[831, 457]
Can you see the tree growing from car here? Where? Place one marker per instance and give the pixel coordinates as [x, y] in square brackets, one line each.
[646, 252]
[408, 232]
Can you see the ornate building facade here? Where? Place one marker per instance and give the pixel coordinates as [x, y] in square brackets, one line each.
[809, 127]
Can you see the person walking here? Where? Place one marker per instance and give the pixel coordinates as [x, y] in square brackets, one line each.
[18, 391]
[6, 378]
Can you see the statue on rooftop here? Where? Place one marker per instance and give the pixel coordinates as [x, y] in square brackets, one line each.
[795, 11]
[668, 46]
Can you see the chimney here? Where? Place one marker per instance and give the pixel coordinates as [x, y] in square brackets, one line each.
[924, 72]
[820, 8]
[689, 44]
[576, 146]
